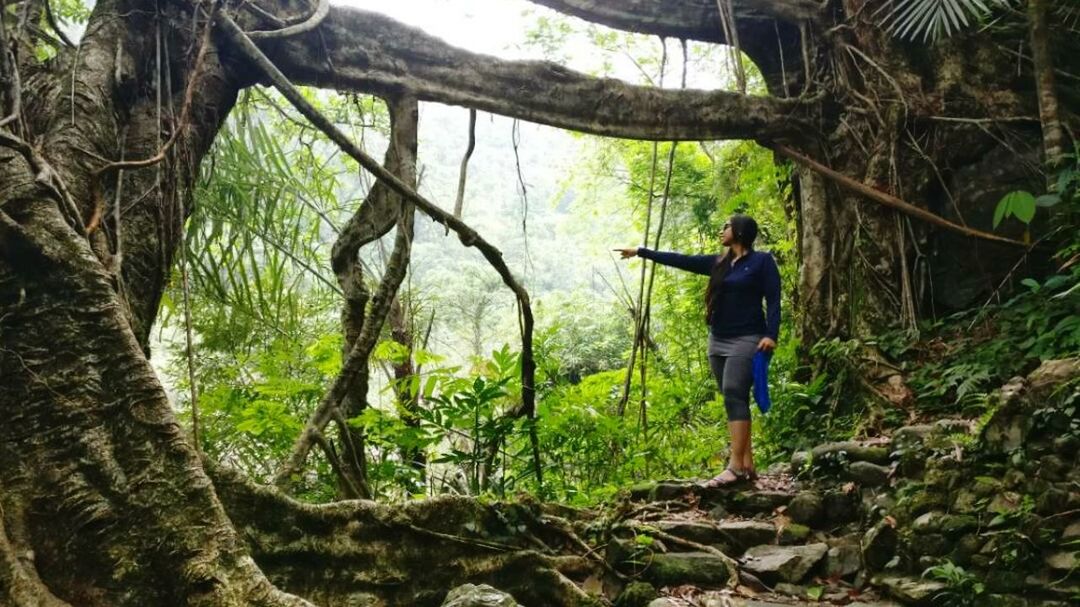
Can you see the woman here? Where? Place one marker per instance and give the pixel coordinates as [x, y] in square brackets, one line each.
[738, 329]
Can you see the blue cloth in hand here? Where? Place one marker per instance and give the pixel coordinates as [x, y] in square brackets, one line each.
[761, 380]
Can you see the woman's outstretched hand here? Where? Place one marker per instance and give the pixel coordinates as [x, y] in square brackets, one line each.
[766, 344]
[627, 253]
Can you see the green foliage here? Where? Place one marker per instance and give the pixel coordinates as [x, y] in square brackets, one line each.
[962, 588]
[959, 359]
[932, 20]
[1019, 204]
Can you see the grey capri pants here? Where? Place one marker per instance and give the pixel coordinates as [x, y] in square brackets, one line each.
[732, 363]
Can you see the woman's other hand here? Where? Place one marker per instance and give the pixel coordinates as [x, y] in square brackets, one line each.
[766, 344]
[627, 253]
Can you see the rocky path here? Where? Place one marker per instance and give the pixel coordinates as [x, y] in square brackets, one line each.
[994, 504]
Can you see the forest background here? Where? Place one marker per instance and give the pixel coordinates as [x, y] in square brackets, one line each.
[263, 304]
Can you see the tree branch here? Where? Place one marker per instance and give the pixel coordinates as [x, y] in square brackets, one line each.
[355, 50]
[889, 200]
[686, 19]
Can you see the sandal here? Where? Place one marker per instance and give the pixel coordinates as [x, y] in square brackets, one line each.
[719, 480]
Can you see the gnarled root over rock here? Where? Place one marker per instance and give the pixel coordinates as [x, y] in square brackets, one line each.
[364, 553]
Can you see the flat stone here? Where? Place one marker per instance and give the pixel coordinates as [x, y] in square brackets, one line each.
[702, 533]
[868, 474]
[758, 502]
[945, 524]
[749, 533]
[470, 595]
[910, 436]
[670, 490]
[784, 563]
[678, 568]
[1064, 560]
[843, 560]
[909, 589]
[1072, 531]
[851, 451]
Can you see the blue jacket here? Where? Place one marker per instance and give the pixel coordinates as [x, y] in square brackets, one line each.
[738, 311]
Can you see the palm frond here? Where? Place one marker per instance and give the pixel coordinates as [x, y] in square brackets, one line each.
[931, 20]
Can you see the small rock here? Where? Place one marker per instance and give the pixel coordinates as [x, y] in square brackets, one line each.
[1063, 560]
[1002, 580]
[986, 486]
[1005, 502]
[1067, 445]
[843, 560]
[966, 501]
[868, 474]
[786, 563]
[964, 548]
[909, 589]
[759, 502]
[1052, 501]
[1071, 532]
[791, 589]
[794, 533]
[1052, 374]
[687, 568]
[470, 595]
[879, 546]
[911, 436]
[665, 602]
[636, 594]
[930, 544]
[718, 512]
[799, 460]
[946, 524]
[806, 508]
[1053, 468]
[670, 491]
[841, 507]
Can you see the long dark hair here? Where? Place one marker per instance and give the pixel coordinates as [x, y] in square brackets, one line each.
[744, 229]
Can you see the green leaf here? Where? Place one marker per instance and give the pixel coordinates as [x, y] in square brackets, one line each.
[1047, 200]
[814, 593]
[1030, 283]
[1001, 210]
[1023, 206]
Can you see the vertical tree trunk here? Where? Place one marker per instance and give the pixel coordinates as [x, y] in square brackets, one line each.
[402, 331]
[1043, 67]
[401, 161]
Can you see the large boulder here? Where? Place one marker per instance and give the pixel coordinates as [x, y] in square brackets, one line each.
[1010, 424]
[783, 563]
[913, 590]
[807, 508]
[678, 568]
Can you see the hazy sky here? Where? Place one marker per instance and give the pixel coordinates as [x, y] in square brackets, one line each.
[494, 27]
[499, 27]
